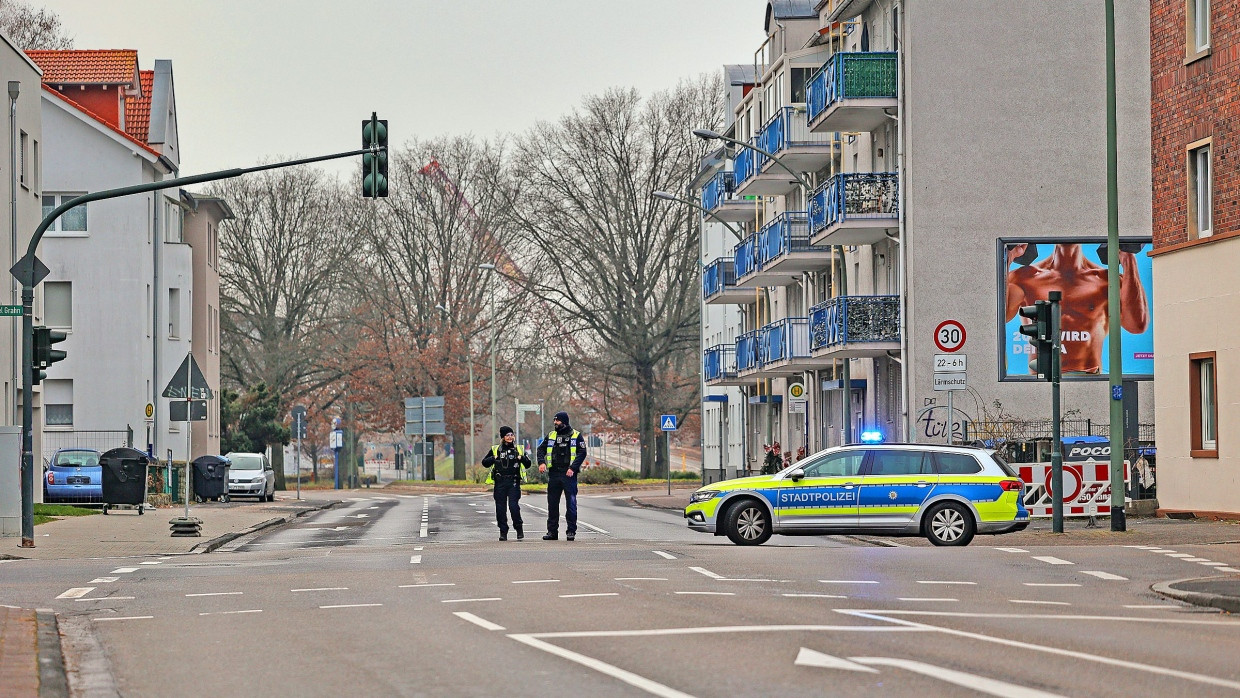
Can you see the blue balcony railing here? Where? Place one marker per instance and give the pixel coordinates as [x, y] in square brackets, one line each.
[854, 319]
[747, 351]
[744, 166]
[718, 275]
[719, 362]
[784, 339]
[745, 255]
[785, 234]
[850, 76]
[854, 195]
[717, 190]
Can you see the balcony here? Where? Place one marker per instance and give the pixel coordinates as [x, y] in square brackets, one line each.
[854, 208]
[850, 327]
[719, 283]
[747, 353]
[788, 137]
[745, 257]
[719, 366]
[784, 252]
[783, 348]
[852, 92]
[719, 197]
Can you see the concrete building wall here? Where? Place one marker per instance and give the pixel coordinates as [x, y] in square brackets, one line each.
[202, 224]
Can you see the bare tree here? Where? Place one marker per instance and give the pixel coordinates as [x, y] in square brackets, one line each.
[33, 28]
[620, 268]
[281, 262]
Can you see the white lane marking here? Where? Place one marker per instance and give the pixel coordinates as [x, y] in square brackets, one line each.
[1197, 559]
[730, 629]
[847, 581]
[352, 605]
[150, 562]
[484, 513]
[1013, 550]
[109, 580]
[489, 598]
[123, 618]
[1200, 678]
[161, 559]
[230, 613]
[123, 570]
[621, 496]
[641, 579]
[415, 559]
[218, 593]
[931, 581]
[705, 593]
[1160, 550]
[1143, 547]
[480, 622]
[418, 547]
[582, 596]
[1160, 606]
[107, 598]
[808, 657]
[641, 682]
[76, 593]
[535, 581]
[415, 586]
[1179, 555]
[1051, 584]
[426, 506]
[1052, 560]
[981, 684]
[1104, 575]
[1045, 603]
[1215, 564]
[708, 573]
[665, 556]
[923, 598]
[815, 596]
[1227, 569]
[298, 591]
[592, 527]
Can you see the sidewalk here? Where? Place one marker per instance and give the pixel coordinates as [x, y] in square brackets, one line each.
[19, 663]
[124, 534]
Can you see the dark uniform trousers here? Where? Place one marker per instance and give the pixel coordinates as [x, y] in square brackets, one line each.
[558, 483]
[508, 499]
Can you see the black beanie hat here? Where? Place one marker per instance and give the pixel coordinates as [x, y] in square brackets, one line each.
[504, 431]
[563, 417]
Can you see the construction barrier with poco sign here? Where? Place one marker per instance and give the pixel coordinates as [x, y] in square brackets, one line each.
[1087, 488]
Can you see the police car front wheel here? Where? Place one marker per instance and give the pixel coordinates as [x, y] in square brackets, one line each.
[950, 523]
[747, 523]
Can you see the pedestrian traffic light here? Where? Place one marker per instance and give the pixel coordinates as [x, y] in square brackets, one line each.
[375, 162]
[1039, 333]
[44, 355]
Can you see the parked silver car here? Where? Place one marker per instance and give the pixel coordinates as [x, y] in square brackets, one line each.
[251, 475]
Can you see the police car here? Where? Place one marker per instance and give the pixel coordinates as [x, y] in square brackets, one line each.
[945, 493]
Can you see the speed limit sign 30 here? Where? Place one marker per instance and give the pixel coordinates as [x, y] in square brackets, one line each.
[949, 336]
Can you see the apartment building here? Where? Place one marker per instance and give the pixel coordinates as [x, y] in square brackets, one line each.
[1195, 71]
[203, 216]
[929, 162]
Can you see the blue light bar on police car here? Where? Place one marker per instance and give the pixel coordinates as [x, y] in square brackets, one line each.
[871, 437]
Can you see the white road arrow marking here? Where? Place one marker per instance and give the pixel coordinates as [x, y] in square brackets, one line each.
[980, 684]
[808, 657]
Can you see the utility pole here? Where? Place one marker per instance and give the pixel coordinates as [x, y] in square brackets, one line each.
[1115, 373]
[1056, 428]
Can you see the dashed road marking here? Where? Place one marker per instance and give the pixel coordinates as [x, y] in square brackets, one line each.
[1227, 569]
[1180, 555]
[847, 581]
[705, 593]
[122, 618]
[426, 512]
[415, 559]
[352, 605]
[665, 556]
[489, 598]
[230, 613]
[123, 570]
[1214, 564]
[1045, 603]
[1051, 584]
[298, 591]
[708, 573]
[1104, 575]
[1013, 550]
[107, 598]
[535, 581]
[76, 593]
[480, 622]
[151, 562]
[1160, 606]
[1143, 547]
[1160, 550]
[218, 593]
[418, 547]
[109, 580]
[1197, 559]
[1052, 560]
[932, 581]
[923, 598]
[582, 596]
[415, 586]
[815, 596]
[641, 579]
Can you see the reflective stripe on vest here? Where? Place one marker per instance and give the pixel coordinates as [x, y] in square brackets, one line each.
[495, 454]
[572, 449]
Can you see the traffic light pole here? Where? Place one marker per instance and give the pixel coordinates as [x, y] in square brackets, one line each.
[30, 272]
[1114, 336]
[1056, 429]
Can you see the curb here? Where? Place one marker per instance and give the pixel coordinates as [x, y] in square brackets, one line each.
[649, 505]
[53, 678]
[218, 541]
[1231, 604]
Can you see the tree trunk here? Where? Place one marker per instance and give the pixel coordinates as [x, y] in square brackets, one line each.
[277, 462]
[646, 420]
[459, 457]
[428, 467]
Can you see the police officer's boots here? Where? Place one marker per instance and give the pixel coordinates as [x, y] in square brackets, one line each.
[520, 533]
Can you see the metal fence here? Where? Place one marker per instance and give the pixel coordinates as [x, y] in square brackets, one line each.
[745, 256]
[785, 234]
[717, 275]
[854, 195]
[720, 362]
[850, 319]
[784, 339]
[98, 440]
[747, 351]
[1040, 429]
[717, 190]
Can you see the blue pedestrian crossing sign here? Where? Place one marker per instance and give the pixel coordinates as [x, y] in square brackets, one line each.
[667, 422]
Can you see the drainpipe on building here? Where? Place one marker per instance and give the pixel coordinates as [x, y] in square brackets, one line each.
[901, 171]
[155, 392]
[10, 406]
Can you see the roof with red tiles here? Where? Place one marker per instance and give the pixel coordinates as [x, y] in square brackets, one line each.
[103, 122]
[138, 109]
[87, 67]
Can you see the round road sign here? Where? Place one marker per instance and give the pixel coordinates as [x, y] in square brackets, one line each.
[949, 336]
[796, 390]
[150, 410]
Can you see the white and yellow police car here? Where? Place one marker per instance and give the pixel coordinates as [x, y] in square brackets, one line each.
[945, 493]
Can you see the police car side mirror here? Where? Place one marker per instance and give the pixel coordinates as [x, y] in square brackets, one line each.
[797, 474]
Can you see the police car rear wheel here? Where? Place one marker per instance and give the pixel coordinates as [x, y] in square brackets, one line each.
[748, 524]
[949, 524]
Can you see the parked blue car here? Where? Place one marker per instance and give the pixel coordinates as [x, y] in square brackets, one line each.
[74, 475]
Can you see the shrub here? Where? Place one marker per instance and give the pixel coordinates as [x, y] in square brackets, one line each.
[477, 474]
[686, 475]
[629, 474]
[601, 475]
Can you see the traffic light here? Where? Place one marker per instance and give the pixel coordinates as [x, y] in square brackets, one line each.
[44, 354]
[1039, 334]
[375, 162]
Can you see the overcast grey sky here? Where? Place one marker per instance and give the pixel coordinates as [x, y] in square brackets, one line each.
[256, 79]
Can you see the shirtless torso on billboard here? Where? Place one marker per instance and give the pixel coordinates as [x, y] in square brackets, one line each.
[1083, 323]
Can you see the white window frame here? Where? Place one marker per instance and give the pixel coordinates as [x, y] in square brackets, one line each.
[23, 167]
[1200, 189]
[56, 229]
[1209, 405]
[50, 392]
[1197, 28]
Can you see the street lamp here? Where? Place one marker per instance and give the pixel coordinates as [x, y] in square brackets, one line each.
[709, 135]
[470, 360]
[665, 196]
[494, 331]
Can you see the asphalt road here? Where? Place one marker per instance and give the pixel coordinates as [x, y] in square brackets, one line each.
[414, 595]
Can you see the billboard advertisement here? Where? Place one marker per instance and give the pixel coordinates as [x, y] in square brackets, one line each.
[1029, 268]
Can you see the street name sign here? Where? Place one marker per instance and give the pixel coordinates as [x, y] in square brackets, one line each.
[11, 310]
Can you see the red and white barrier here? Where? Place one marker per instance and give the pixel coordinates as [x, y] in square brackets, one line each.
[1087, 488]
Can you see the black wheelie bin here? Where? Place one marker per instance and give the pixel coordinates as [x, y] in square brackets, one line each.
[210, 478]
[124, 478]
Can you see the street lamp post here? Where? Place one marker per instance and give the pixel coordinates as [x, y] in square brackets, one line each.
[666, 196]
[494, 332]
[469, 359]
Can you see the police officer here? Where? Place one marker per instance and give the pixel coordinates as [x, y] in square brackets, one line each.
[507, 462]
[560, 456]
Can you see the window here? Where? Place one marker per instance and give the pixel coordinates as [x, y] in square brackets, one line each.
[839, 464]
[1203, 405]
[148, 310]
[23, 172]
[58, 402]
[1200, 192]
[71, 222]
[174, 313]
[38, 174]
[58, 304]
[1198, 25]
[800, 77]
[898, 463]
[956, 464]
[172, 223]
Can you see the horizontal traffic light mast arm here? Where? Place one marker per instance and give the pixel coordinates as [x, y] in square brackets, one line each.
[171, 183]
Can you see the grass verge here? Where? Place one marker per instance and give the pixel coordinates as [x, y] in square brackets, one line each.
[50, 512]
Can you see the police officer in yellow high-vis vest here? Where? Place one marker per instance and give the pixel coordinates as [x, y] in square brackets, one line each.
[560, 456]
[507, 462]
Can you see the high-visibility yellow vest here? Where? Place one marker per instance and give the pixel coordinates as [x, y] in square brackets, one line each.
[495, 454]
[572, 449]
